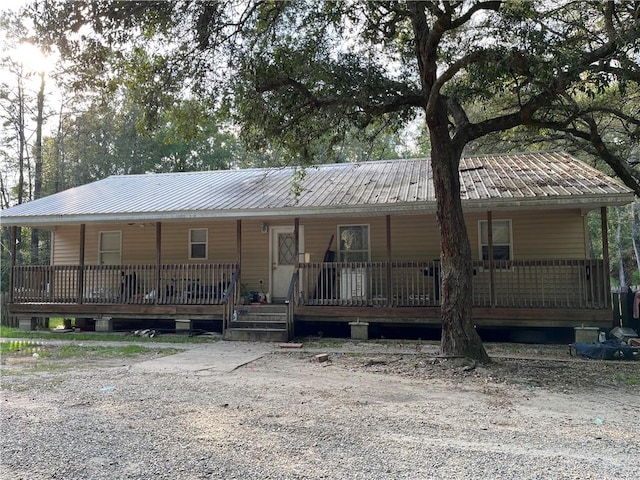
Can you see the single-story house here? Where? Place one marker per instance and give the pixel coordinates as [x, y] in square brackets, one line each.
[270, 249]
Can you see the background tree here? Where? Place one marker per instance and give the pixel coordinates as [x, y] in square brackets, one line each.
[22, 110]
[302, 74]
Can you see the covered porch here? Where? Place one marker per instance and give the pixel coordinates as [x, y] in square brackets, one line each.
[535, 293]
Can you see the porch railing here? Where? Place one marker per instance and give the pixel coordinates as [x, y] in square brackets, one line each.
[523, 283]
[179, 284]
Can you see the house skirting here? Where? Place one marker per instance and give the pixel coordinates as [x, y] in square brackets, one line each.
[483, 317]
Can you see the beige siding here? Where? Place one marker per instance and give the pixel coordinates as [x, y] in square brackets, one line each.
[415, 238]
[539, 234]
[256, 260]
[66, 245]
[221, 242]
[553, 234]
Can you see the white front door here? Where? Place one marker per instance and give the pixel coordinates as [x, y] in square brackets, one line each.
[283, 259]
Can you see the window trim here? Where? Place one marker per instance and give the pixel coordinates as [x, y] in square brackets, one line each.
[102, 251]
[191, 243]
[480, 244]
[349, 225]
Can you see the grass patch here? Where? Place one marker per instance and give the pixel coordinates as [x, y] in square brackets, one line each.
[6, 332]
[55, 322]
[627, 379]
[100, 352]
[20, 347]
[57, 352]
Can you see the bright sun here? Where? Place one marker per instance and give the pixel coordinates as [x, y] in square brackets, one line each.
[32, 58]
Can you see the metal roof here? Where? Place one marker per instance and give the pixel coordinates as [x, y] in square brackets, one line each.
[531, 180]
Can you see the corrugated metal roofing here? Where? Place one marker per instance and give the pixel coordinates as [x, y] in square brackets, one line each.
[490, 181]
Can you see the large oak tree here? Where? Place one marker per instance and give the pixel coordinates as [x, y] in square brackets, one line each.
[300, 74]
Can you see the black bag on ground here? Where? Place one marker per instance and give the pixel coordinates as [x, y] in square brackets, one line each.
[609, 350]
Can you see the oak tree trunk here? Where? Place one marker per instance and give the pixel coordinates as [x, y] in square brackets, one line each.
[459, 336]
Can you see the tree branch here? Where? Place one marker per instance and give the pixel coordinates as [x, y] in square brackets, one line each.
[448, 74]
[396, 103]
[619, 165]
[491, 5]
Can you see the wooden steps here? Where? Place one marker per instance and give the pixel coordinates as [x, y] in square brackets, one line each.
[260, 323]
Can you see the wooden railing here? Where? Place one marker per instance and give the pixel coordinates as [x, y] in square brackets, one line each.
[198, 284]
[521, 283]
[542, 284]
[524, 283]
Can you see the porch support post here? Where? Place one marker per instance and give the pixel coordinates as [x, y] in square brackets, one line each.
[239, 242]
[158, 259]
[605, 254]
[389, 293]
[238, 258]
[296, 239]
[492, 269]
[81, 263]
[12, 247]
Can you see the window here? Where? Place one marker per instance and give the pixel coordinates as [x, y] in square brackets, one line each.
[353, 243]
[198, 243]
[501, 240]
[286, 249]
[110, 248]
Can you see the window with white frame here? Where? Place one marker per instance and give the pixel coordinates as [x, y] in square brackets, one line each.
[198, 238]
[110, 248]
[502, 240]
[353, 243]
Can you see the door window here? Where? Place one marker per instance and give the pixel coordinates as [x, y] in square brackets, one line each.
[286, 249]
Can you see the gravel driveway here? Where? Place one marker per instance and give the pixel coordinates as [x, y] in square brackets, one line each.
[388, 411]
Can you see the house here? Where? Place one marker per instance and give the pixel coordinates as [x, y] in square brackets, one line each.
[358, 241]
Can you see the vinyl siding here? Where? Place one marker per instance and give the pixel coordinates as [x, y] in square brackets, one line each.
[66, 245]
[538, 234]
[255, 254]
[553, 234]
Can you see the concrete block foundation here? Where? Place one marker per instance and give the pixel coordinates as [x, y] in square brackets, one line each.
[359, 330]
[104, 324]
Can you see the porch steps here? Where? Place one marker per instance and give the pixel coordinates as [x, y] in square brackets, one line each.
[262, 323]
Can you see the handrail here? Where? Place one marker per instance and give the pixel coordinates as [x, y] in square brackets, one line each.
[229, 307]
[231, 286]
[291, 304]
[292, 287]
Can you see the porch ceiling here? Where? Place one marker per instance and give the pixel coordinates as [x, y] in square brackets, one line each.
[491, 182]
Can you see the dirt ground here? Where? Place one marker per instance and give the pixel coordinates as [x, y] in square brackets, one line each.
[385, 410]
